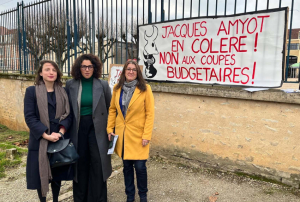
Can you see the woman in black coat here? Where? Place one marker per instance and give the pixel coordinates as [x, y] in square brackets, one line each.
[46, 125]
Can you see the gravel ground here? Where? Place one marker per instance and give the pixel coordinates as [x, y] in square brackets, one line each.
[13, 186]
[168, 182]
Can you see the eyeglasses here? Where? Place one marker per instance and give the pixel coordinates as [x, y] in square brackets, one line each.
[128, 69]
[88, 67]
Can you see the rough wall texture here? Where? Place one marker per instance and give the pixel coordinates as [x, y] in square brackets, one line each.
[228, 129]
[254, 137]
[12, 91]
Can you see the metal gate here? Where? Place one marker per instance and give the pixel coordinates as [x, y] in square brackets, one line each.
[61, 30]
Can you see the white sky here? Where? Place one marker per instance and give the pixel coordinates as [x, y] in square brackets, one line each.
[262, 4]
[10, 4]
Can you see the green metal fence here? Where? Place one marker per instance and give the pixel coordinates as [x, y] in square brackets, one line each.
[60, 30]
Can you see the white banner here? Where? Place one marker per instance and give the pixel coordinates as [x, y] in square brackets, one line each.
[243, 50]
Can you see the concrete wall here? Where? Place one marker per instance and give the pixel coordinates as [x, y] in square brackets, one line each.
[224, 128]
[229, 129]
[12, 91]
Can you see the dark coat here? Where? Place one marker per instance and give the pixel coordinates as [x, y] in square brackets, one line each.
[101, 102]
[37, 128]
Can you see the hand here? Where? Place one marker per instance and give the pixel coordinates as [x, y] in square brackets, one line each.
[54, 137]
[109, 136]
[145, 142]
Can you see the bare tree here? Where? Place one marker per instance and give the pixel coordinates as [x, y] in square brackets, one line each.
[132, 38]
[59, 39]
[47, 33]
[37, 38]
[106, 38]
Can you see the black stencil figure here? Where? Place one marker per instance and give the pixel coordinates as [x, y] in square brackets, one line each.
[149, 51]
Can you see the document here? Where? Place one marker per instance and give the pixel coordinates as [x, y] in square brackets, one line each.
[290, 90]
[255, 89]
[112, 149]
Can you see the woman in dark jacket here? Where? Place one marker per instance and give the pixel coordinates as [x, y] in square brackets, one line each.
[47, 114]
[90, 99]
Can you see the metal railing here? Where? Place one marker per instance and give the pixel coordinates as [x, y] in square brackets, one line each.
[60, 30]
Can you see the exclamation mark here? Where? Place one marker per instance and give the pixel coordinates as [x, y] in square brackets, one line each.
[253, 74]
[255, 44]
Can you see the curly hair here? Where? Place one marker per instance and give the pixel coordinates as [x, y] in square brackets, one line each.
[39, 78]
[76, 73]
[141, 84]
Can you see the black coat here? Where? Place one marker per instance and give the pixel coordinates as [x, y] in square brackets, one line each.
[37, 128]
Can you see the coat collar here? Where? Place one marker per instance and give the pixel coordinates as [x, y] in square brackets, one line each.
[117, 102]
[73, 91]
[134, 97]
[97, 92]
[136, 94]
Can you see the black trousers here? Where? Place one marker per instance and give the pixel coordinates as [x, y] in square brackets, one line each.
[90, 186]
[55, 186]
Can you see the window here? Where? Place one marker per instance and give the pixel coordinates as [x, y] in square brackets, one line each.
[292, 59]
[298, 35]
[1, 63]
[294, 46]
[1, 50]
[7, 52]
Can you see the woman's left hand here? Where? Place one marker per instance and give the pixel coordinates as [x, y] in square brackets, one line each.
[145, 142]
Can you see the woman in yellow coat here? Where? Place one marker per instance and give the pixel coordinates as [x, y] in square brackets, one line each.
[131, 116]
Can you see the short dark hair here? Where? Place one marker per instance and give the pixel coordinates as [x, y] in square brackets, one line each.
[141, 84]
[39, 78]
[76, 73]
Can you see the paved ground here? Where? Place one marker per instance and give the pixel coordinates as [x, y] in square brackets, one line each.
[168, 182]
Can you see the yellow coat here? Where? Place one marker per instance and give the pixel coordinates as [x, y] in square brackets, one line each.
[137, 125]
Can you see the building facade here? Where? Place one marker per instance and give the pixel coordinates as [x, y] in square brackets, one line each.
[294, 56]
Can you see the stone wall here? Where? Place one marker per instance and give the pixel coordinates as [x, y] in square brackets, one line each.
[224, 128]
[229, 129]
[12, 91]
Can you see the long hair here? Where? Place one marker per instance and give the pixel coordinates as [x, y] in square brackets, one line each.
[141, 84]
[76, 73]
[39, 78]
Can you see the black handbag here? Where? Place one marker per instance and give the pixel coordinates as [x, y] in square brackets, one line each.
[61, 153]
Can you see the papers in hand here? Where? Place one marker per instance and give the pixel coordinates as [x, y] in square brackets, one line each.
[111, 150]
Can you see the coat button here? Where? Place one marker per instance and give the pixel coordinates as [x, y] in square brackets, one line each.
[93, 117]
[102, 113]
